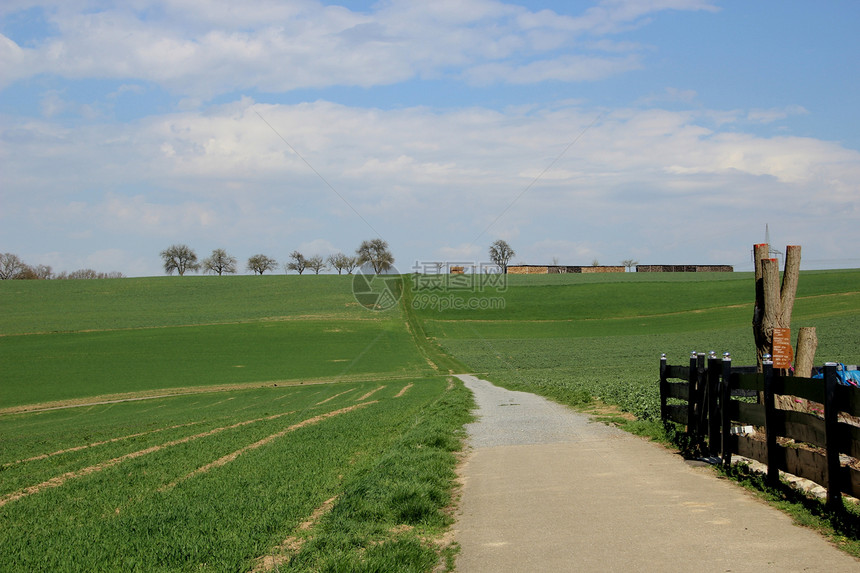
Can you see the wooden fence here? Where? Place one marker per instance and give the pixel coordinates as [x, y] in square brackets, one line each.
[712, 398]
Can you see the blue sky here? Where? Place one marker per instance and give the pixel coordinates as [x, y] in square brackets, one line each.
[666, 131]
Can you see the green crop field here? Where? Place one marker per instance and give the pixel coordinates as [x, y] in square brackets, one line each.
[222, 481]
[65, 341]
[576, 336]
[172, 424]
[272, 423]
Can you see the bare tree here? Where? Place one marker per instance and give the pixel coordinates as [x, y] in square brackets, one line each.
[10, 266]
[89, 274]
[297, 263]
[501, 253]
[595, 263]
[316, 263]
[351, 264]
[179, 258]
[41, 272]
[341, 262]
[629, 263]
[83, 274]
[219, 263]
[375, 252]
[261, 263]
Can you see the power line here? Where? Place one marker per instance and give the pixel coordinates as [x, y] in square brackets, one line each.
[318, 174]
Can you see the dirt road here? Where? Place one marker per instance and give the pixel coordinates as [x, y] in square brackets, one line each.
[545, 489]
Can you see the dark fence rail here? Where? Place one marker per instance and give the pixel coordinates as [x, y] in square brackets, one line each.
[715, 397]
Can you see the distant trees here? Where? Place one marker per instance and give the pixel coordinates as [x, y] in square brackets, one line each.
[179, 258]
[629, 263]
[297, 263]
[341, 262]
[261, 263]
[12, 267]
[90, 274]
[501, 253]
[375, 252]
[316, 263]
[219, 262]
[40, 272]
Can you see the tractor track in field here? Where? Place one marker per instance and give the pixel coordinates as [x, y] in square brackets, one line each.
[184, 391]
[58, 481]
[61, 479]
[94, 444]
[224, 460]
[261, 320]
[293, 543]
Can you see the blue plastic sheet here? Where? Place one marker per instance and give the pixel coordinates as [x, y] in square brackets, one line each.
[846, 377]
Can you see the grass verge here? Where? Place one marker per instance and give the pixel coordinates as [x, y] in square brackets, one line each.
[390, 517]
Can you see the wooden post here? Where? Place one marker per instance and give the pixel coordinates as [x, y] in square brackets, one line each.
[788, 291]
[770, 317]
[725, 413]
[713, 391]
[663, 388]
[804, 356]
[761, 252]
[831, 437]
[770, 422]
[691, 399]
[701, 405]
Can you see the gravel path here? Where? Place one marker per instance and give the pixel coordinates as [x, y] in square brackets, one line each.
[545, 489]
[508, 418]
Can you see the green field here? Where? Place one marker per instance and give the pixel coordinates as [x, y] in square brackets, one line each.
[190, 423]
[571, 337]
[112, 337]
[251, 423]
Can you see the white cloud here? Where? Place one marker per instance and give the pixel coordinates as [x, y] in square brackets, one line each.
[566, 68]
[322, 247]
[468, 164]
[200, 49]
[52, 104]
[774, 114]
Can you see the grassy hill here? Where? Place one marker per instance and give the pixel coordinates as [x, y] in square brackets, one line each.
[65, 340]
[573, 336]
[217, 414]
[213, 418]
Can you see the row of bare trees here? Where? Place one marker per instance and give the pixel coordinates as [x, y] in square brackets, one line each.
[12, 268]
[181, 259]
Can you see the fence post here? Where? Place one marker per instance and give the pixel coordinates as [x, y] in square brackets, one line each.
[725, 409]
[713, 391]
[691, 399]
[831, 437]
[770, 421]
[663, 389]
[701, 404]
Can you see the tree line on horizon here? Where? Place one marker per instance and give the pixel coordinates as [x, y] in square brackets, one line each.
[181, 258]
[13, 268]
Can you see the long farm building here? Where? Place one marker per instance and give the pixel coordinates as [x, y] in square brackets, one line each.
[559, 269]
[684, 268]
[562, 269]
